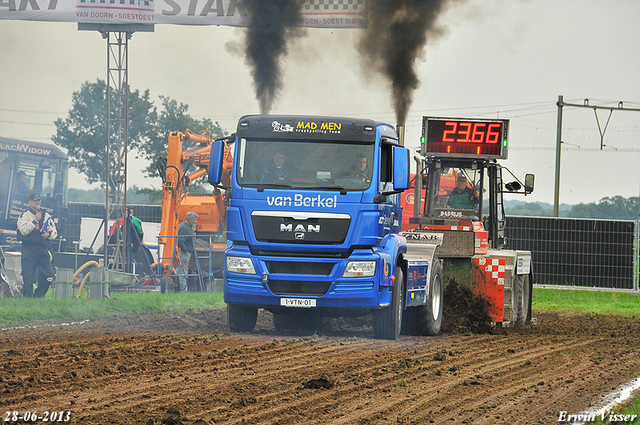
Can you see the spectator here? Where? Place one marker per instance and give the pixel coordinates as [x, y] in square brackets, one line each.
[135, 221]
[36, 229]
[187, 245]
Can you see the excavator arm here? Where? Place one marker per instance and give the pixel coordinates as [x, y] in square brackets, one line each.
[174, 169]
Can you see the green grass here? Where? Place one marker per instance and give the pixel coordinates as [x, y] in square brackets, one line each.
[14, 311]
[631, 408]
[586, 302]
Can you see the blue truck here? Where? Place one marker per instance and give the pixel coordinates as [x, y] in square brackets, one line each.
[313, 226]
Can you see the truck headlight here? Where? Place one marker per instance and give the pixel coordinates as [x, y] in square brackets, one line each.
[240, 265]
[360, 269]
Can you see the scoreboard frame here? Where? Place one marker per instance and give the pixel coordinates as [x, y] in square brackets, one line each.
[464, 138]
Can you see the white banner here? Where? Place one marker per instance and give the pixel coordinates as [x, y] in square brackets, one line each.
[316, 13]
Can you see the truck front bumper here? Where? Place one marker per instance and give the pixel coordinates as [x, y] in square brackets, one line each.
[316, 282]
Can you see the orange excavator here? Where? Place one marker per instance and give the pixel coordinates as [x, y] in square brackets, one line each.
[177, 201]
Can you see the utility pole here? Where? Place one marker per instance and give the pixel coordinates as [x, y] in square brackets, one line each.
[602, 131]
[556, 190]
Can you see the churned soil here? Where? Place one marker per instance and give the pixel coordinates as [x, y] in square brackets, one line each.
[188, 368]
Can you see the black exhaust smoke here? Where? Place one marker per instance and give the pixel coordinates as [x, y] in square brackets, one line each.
[271, 25]
[396, 34]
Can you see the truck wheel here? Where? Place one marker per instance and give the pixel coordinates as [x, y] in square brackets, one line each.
[526, 298]
[434, 309]
[522, 300]
[427, 319]
[241, 318]
[387, 321]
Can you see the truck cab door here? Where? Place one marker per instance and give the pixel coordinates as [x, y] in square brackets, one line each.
[394, 178]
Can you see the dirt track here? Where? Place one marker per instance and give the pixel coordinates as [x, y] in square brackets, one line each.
[189, 369]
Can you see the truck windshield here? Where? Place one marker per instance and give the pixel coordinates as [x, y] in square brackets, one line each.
[457, 193]
[295, 164]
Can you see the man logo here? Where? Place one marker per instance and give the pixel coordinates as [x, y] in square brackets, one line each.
[299, 235]
[288, 227]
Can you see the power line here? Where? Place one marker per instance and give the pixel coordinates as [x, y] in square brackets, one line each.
[26, 123]
[25, 111]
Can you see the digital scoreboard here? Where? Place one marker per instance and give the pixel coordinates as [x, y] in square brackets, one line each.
[467, 138]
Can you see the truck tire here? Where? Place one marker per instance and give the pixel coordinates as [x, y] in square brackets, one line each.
[527, 298]
[388, 321]
[522, 300]
[434, 309]
[427, 319]
[241, 318]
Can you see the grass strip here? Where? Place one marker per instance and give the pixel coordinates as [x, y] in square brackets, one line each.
[14, 311]
[585, 302]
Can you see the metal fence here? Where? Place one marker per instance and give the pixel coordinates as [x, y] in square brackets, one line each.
[77, 210]
[578, 252]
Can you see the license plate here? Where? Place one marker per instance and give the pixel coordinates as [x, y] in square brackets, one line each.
[298, 302]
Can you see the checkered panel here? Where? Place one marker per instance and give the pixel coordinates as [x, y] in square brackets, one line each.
[133, 3]
[495, 269]
[488, 283]
[332, 5]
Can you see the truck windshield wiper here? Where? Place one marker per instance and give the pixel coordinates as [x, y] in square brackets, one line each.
[262, 186]
[343, 190]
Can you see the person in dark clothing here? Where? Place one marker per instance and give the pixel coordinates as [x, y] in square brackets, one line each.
[280, 170]
[360, 164]
[36, 230]
[186, 243]
[135, 221]
[21, 182]
[462, 196]
[135, 231]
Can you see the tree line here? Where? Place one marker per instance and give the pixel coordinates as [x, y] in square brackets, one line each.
[608, 208]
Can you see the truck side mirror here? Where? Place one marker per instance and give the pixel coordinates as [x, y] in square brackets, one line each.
[215, 162]
[400, 168]
[529, 180]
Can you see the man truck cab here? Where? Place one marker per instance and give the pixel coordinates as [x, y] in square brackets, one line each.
[324, 238]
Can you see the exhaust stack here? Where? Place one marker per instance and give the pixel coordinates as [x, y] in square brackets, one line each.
[400, 130]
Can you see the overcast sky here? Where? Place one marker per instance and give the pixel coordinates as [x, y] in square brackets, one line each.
[498, 58]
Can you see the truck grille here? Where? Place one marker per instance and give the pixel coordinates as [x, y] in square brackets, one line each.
[290, 287]
[289, 267]
[300, 228]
